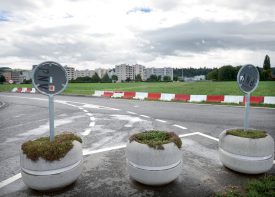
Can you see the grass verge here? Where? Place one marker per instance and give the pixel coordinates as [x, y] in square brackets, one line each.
[156, 139]
[50, 151]
[263, 187]
[254, 134]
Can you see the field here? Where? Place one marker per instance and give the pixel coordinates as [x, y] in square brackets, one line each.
[265, 88]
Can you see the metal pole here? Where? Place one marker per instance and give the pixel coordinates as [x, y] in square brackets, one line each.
[51, 117]
[246, 115]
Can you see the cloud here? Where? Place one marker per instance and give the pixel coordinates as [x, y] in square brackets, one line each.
[202, 36]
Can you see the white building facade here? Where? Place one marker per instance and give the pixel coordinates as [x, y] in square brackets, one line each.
[70, 72]
[124, 71]
[84, 73]
[139, 70]
[166, 71]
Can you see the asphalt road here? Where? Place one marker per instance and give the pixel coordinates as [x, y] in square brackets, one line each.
[104, 123]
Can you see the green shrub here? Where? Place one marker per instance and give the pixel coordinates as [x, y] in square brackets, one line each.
[50, 151]
[254, 134]
[155, 139]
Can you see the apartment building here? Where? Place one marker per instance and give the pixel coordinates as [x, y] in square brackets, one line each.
[139, 70]
[124, 71]
[84, 73]
[70, 72]
[166, 71]
[101, 72]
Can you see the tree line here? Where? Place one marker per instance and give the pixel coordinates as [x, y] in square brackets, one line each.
[229, 73]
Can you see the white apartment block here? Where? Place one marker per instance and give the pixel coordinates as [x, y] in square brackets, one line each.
[166, 71]
[139, 69]
[70, 72]
[84, 73]
[124, 71]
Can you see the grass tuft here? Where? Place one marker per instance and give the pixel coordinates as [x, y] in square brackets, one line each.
[50, 151]
[254, 134]
[156, 139]
[263, 187]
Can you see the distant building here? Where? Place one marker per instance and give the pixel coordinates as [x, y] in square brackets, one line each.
[111, 72]
[166, 71]
[101, 72]
[84, 73]
[124, 71]
[7, 75]
[70, 72]
[139, 70]
[195, 78]
[26, 74]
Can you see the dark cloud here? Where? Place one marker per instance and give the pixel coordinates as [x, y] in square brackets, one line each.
[199, 36]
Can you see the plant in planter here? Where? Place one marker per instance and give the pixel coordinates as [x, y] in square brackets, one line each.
[48, 165]
[154, 157]
[250, 151]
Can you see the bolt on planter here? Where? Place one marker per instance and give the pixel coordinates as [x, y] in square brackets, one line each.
[246, 155]
[153, 166]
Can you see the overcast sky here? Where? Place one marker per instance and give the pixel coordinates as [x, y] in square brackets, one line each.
[102, 33]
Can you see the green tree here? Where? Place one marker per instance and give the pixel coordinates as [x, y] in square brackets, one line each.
[175, 78]
[227, 73]
[95, 78]
[128, 79]
[114, 78]
[2, 79]
[152, 78]
[159, 78]
[266, 65]
[213, 75]
[166, 78]
[106, 79]
[138, 77]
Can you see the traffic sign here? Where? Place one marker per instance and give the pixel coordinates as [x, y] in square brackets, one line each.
[11, 81]
[50, 78]
[248, 78]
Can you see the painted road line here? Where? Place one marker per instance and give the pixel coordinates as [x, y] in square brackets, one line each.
[145, 116]
[181, 127]
[129, 112]
[86, 132]
[86, 111]
[89, 114]
[92, 118]
[92, 124]
[90, 152]
[208, 136]
[273, 161]
[161, 120]
[10, 180]
[188, 134]
[80, 108]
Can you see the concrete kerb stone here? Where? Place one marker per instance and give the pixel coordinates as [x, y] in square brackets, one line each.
[198, 98]
[167, 97]
[141, 95]
[269, 100]
[233, 99]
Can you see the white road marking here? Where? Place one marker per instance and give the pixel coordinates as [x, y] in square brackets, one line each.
[129, 112]
[181, 127]
[80, 108]
[92, 124]
[86, 111]
[160, 120]
[208, 136]
[92, 118]
[136, 106]
[188, 134]
[90, 152]
[145, 116]
[86, 132]
[89, 114]
[10, 180]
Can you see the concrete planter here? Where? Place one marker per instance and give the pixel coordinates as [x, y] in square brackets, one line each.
[246, 155]
[45, 175]
[153, 167]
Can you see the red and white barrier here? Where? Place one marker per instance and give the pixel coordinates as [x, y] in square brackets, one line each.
[24, 90]
[186, 97]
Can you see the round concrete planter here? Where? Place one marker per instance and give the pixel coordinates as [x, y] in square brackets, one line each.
[246, 155]
[45, 175]
[153, 167]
